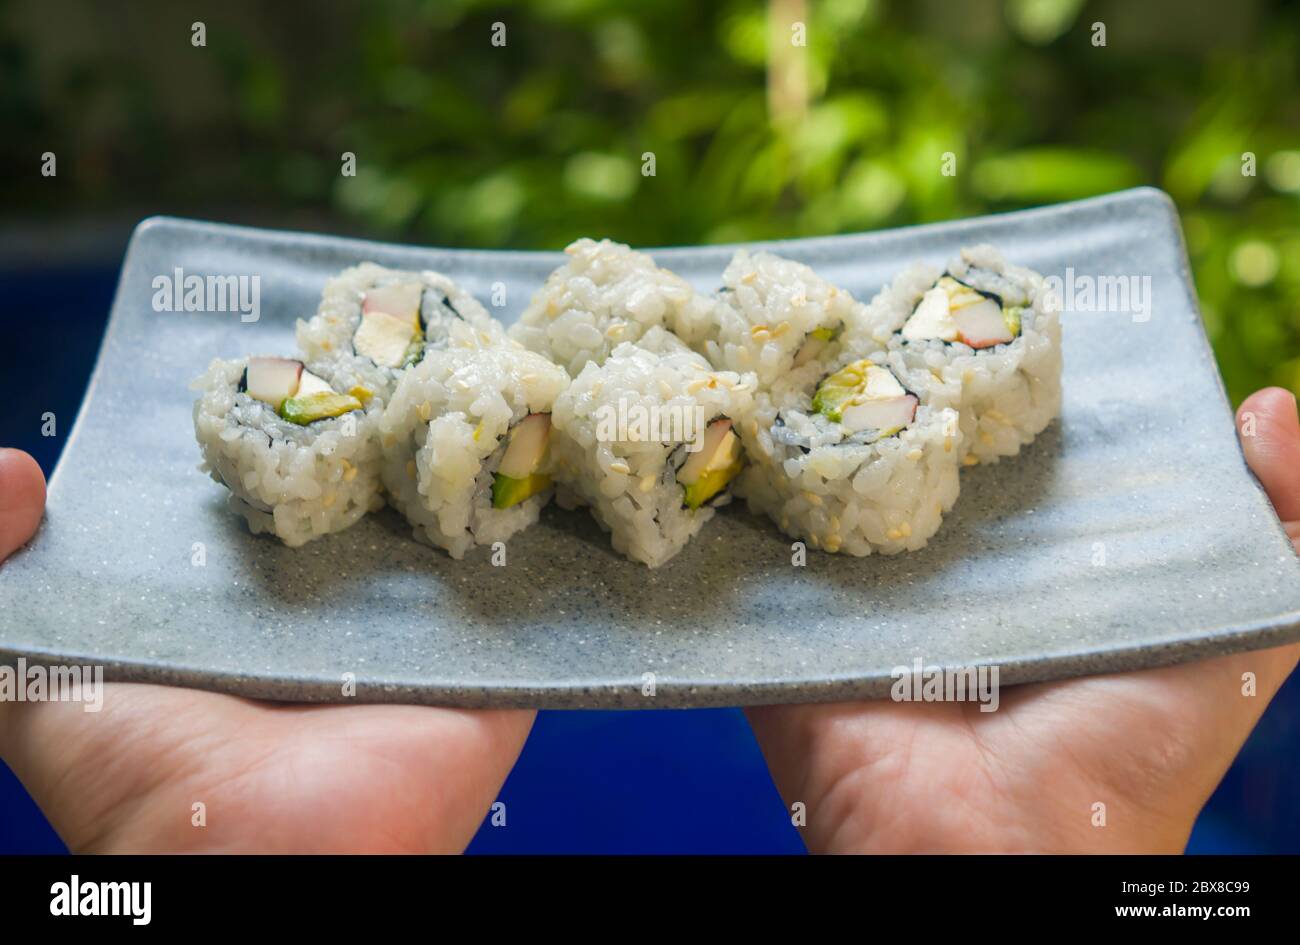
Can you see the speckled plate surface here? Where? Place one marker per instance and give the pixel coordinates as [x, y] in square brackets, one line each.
[1129, 535]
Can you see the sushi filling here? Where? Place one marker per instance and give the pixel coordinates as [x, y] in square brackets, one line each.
[400, 321]
[954, 310]
[517, 478]
[293, 392]
[816, 343]
[865, 398]
[709, 470]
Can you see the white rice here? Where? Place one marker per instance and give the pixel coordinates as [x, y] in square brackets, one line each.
[604, 294]
[886, 496]
[296, 482]
[1005, 395]
[443, 436]
[326, 339]
[628, 476]
[770, 308]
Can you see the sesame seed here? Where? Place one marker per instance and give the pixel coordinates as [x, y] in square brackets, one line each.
[620, 467]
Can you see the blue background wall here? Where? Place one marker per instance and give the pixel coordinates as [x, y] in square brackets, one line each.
[588, 782]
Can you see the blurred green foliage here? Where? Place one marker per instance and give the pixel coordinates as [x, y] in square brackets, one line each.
[531, 144]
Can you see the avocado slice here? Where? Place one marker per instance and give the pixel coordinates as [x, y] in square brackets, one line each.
[710, 484]
[718, 461]
[319, 405]
[507, 491]
[850, 382]
[517, 478]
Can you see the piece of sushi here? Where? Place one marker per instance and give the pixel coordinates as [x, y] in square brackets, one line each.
[647, 440]
[985, 337]
[299, 457]
[855, 463]
[374, 323]
[465, 441]
[604, 294]
[776, 318]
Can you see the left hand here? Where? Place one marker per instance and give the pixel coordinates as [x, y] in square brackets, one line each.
[272, 778]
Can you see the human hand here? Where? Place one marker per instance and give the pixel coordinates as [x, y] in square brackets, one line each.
[883, 776]
[273, 778]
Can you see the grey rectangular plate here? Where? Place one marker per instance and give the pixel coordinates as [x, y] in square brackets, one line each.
[1129, 535]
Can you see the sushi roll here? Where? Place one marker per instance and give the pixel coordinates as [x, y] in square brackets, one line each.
[647, 440]
[855, 463]
[299, 457]
[465, 441]
[777, 318]
[374, 323]
[604, 294]
[985, 338]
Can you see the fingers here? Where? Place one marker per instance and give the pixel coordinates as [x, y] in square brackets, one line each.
[22, 499]
[1270, 438]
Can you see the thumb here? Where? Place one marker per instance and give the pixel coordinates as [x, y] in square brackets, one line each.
[1270, 438]
[22, 499]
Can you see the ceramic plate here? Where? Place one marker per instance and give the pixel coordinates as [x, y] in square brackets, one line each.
[1130, 534]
